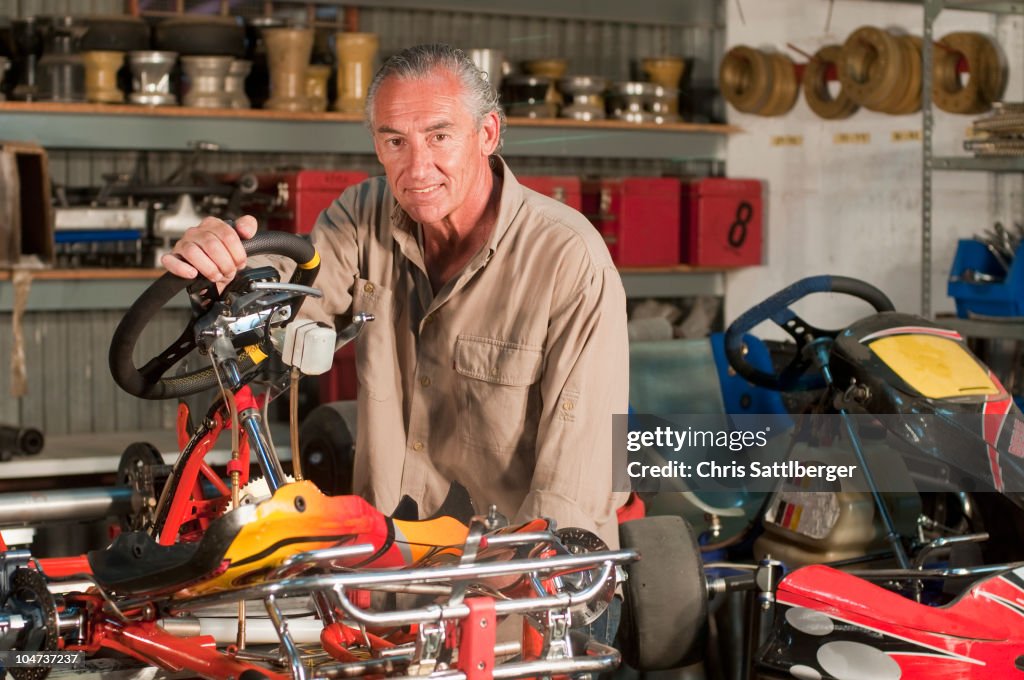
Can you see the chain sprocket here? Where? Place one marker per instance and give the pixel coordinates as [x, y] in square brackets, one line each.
[141, 468]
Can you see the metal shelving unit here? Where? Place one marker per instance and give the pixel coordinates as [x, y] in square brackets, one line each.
[932, 163]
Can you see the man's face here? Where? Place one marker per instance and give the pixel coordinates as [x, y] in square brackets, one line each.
[434, 155]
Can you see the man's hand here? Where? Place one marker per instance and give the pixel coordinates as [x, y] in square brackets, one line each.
[213, 249]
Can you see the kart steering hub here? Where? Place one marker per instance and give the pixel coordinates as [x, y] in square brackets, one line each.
[148, 382]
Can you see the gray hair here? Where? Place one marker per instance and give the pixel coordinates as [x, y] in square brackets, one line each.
[422, 60]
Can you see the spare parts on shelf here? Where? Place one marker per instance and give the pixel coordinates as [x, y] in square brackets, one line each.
[555, 69]
[204, 81]
[638, 102]
[667, 72]
[816, 80]
[762, 83]
[151, 77]
[101, 67]
[584, 97]
[985, 67]
[356, 53]
[1001, 133]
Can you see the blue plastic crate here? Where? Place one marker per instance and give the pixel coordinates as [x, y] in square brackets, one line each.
[1002, 298]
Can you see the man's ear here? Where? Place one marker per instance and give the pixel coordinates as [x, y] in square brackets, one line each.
[490, 131]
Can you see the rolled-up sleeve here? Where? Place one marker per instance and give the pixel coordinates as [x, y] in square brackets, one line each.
[584, 383]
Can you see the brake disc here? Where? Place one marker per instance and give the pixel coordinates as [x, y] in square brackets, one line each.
[30, 598]
[816, 86]
[579, 542]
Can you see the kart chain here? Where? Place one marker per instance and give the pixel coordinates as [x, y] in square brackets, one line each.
[31, 583]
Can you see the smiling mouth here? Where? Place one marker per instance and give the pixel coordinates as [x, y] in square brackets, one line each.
[426, 190]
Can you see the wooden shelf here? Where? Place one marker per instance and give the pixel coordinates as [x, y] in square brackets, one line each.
[126, 127]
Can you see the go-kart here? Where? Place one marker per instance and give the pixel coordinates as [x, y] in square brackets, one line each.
[218, 578]
[944, 601]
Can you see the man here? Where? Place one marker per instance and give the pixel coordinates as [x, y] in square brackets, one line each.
[499, 351]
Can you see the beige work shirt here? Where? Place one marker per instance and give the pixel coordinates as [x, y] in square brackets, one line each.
[505, 380]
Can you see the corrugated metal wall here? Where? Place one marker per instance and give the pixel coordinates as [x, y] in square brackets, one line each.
[70, 389]
[69, 385]
[86, 168]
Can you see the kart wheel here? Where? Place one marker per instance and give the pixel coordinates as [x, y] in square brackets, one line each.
[115, 34]
[665, 612]
[327, 441]
[201, 36]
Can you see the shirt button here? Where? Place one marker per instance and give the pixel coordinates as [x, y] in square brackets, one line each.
[567, 406]
[368, 287]
[418, 446]
[425, 381]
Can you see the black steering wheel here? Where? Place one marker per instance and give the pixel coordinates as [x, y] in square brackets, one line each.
[776, 308]
[149, 382]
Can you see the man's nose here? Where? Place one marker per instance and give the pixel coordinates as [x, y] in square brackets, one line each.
[421, 161]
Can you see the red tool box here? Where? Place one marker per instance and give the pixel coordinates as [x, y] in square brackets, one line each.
[638, 217]
[564, 188]
[303, 195]
[722, 222]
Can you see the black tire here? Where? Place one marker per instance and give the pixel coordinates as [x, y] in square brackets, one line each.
[665, 612]
[115, 34]
[327, 441]
[201, 36]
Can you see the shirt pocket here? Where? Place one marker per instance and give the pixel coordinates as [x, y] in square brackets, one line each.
[496, 391]
[376, 357]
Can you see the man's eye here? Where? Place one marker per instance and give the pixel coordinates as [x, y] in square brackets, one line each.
[394, 141]
[440, 137]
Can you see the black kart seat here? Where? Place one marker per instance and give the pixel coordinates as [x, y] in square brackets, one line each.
[135, 563]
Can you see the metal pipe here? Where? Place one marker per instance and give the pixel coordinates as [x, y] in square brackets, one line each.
[287, 642]
[460, 611]
[372, 579]
[299, 562]
[269, 464]
[36, 507]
